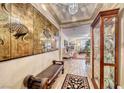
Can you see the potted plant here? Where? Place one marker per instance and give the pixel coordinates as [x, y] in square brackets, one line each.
[87, 51]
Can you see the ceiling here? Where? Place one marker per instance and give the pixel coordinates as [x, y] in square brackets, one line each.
[85, 14]
[62, 12]
[78, 32]
[72, 24]
[78, 25]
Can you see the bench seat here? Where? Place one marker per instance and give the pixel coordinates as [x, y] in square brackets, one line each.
[51, 72]
[45, 78]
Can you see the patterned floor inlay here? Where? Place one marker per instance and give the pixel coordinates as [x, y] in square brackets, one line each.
[75, 82]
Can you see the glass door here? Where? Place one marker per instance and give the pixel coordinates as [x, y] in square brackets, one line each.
[97, 54]
[109, 52]
[105, 49]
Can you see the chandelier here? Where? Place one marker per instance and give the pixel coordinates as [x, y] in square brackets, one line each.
[73, 8]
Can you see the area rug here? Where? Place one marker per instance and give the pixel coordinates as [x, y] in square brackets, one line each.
[75, 82]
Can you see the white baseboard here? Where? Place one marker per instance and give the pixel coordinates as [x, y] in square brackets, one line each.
[119, 87]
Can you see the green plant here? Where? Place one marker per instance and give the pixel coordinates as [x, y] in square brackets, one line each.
[87, 47]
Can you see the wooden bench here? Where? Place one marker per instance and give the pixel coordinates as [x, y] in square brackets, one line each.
[46, 78]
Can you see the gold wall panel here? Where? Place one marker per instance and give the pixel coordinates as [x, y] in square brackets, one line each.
[39, 38]
[24, 31]
[4, 32]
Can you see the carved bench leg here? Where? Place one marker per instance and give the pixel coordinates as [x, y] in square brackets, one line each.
[49, 86]
[45, 86]
[63, 71]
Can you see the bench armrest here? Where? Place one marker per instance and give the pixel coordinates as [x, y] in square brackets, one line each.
[58, 62]
[30, 82]
[44, 82]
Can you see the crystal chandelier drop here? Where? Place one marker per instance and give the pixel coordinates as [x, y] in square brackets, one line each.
[73, 8]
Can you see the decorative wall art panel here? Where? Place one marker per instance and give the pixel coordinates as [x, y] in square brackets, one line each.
[24, 31]
[47, 33]
[39, 27]
[50, 33]
[54, 37]
[4, 32]
[21, 30]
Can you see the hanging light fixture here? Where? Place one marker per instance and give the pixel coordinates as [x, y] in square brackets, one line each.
[73, 8]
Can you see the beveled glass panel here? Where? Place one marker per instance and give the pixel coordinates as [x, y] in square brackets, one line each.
[97, 54]
[109, 77]
[109, 40]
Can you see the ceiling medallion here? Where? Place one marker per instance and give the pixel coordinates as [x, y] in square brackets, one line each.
[73, 8]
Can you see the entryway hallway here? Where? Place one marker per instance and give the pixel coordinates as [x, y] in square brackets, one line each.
[76, 67]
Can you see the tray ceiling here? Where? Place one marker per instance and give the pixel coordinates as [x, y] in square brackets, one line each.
[86, 12]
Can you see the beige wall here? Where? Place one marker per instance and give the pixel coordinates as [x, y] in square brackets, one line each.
[13, 72]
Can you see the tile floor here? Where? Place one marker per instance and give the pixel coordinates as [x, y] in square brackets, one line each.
[73, 66]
